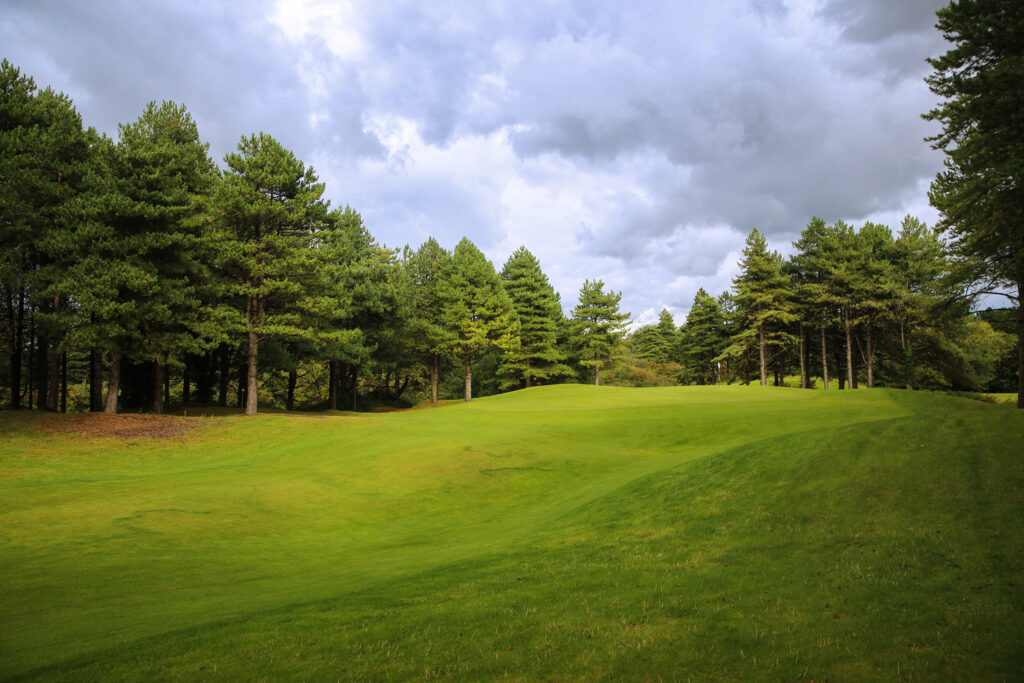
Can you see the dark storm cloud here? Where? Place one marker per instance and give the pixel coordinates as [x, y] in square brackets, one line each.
[216, 58]
[873, 21]
[678, 126]
[769, 136]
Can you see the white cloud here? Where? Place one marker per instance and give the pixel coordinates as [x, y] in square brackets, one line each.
[637, 145]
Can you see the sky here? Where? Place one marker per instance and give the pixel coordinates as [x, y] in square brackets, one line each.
[633, 142]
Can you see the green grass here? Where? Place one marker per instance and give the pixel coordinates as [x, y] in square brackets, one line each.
[566, 532]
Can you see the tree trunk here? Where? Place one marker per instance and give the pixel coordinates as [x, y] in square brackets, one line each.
[158, 385]
[400, 387]
[435, 372]
[803, 359]
[597, 372]
[293, 378]
[96, 385]
[355, 386]
[870, 358]
[201, 371]
[186, 380]
[526, 375]
[333, 373]
[907, 357]
[242, 368]
[64, 382]
[113, 382]
[53, 366]
[761, 350]
[824, 354]
[225, 368]
[31, 358]
[837, 358]
[250, 384]
[849, 350]
[53, 379]
[469, 381]
[1020, 343]
[16, 351]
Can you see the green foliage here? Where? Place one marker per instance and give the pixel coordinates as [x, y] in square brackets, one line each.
[270, 211]
[478, 314]
[162, 177]
[44, 157]
[428, 272]
[657, 343]
[764, 303]
[598, 326]
[430, 275]
[538, 360]
[704, 338]
[981, 191]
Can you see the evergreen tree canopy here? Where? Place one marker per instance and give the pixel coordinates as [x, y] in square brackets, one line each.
[599, 325]
[479, 315]
[162, 177]
[981, 192]
[44, 161]
[538, 358]
[270, 210]
[658, 343]
[432, 294]
[704, 338]
[763, 301]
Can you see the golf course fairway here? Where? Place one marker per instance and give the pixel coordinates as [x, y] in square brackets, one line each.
[564, 532]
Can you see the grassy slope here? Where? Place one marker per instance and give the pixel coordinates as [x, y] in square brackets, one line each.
[570, 531]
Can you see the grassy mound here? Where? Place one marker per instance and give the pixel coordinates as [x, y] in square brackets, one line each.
[570, 532]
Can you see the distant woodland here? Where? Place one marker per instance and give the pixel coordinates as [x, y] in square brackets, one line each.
[138, 275]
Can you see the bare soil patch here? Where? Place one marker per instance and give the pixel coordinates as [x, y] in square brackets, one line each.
[121, 426]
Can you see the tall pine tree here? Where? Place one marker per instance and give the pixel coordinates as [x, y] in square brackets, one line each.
[704, 338]
[599, 326]
[479, 315]
[538, 359]
[763, 302]
[270, 209]
[430, 275]
[981, 191]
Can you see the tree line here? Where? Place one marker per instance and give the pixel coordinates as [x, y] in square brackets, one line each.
[126, 262]
[847, 308]
[137, 270]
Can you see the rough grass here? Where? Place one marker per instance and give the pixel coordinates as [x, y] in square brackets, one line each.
[564, 532]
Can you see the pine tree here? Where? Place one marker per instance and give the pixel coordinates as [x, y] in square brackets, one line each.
[821, 251]
[875, 288]
[44, 158]
[981, 192]
[919, 265]
[670, 334]
[270, 209]
[763, 301]
[658, 343]
[704, 338]
[431, 280]
[647, 343]
[163, 177]
[598, 325]
[538, 359]
[353, 281]
[479, 315]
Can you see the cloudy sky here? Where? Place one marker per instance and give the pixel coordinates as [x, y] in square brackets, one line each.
[637, 143]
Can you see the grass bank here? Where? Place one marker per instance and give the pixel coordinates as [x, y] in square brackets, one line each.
[572, 532]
